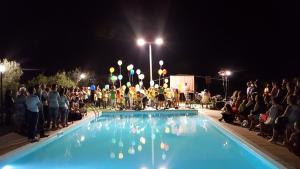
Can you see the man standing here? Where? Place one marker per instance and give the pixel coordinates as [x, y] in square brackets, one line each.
[53, 99]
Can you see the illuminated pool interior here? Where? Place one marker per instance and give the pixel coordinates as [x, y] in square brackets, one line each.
[161, 140]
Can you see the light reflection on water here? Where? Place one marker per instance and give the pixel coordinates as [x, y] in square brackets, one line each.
[165, 142]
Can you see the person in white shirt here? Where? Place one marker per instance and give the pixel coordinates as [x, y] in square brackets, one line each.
[32, 105]
[53, 102]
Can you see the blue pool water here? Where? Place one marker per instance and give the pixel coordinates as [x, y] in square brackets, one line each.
[141, 141]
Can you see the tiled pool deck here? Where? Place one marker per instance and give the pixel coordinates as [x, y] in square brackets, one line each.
[279, 153]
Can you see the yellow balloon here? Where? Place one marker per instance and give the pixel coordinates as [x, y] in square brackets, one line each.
[111, 69]
[165, 85]
[160, 71]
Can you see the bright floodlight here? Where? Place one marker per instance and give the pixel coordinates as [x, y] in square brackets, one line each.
[2, 68]
[120, 62]
[228, 72]
[82, 76]
[141, 42]
[161, 62]
[159, 41]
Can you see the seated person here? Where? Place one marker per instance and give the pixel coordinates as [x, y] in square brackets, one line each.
[245, 111]
[294, 140]
[259, 107]
[227, 115]
[267, 119]
[284, 123]
[82, 108]
[74, 110]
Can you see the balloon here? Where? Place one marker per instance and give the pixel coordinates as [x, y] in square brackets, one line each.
[111, 69]
[106, 86]
[120, 77]
[138, 71]
[128, 84]
[142, 76]
[165, 85]
[160, 71]
[141, 83]
[156, 86]
[93, 87]
[132, 72]
[123, 87]
[151, 83]
[164, 71]
[166, 80]
[120, 62]
[129, 67]
[161, 62]
[113, 78]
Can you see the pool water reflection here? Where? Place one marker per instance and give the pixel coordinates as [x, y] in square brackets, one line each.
[143, 142]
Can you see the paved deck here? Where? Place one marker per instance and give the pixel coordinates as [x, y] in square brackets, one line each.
[277, 152]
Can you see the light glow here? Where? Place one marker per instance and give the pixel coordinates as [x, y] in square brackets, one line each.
[159, 41]
[141, 42]
[2, 68]
[82, 76]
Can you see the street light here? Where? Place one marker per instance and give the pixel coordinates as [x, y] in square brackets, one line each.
[225, 74]
[141, 42]
[2, 70]
[82, 76]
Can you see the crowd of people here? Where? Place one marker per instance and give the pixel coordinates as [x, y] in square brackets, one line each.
[273, 110]
[42, 108]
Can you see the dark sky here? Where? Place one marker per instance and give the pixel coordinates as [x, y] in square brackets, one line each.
[255, 37]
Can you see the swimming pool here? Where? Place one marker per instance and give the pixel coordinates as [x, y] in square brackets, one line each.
[141, 140]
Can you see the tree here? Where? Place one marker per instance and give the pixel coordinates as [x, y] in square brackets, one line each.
[12, 74]
[39, 79]
[60, 78]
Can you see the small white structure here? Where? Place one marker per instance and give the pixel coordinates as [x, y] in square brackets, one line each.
[184, 83]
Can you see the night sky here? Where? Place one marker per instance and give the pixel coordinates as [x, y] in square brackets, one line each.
[254, 38]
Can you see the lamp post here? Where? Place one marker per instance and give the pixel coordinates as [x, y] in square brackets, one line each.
[142, 42]
[225, 74]
[2, 70]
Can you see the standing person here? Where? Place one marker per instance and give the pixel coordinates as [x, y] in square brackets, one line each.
[126, 96]
[8, 105]
[63, 107]
[105, 98]
[41, 121]
[176, 96]
[44, 99]
[113, 97]
[32, 103]
[53, 99]
[161, 97]
[20, 121]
